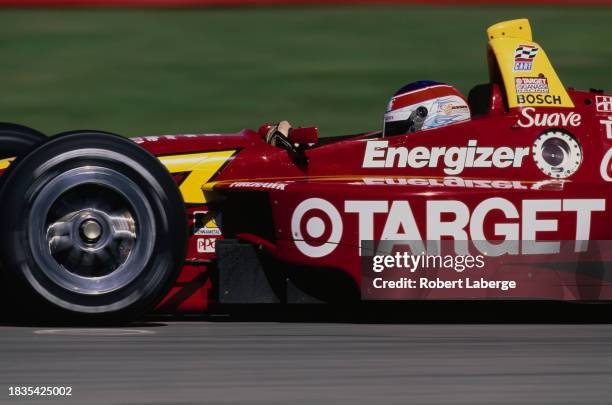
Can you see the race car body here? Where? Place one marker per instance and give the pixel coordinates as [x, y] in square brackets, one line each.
[520, 191]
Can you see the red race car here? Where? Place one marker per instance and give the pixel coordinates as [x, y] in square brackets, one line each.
[502, 195]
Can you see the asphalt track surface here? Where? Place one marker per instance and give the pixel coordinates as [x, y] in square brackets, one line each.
[309, 362]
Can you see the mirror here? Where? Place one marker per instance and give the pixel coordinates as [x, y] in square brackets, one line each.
[304, 136]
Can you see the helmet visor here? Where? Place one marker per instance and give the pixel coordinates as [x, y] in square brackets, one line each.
[393, 128]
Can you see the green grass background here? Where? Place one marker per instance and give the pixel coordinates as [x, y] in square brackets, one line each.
[138, 72]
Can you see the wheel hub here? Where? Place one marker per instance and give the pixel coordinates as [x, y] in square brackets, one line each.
[93, 232]
[90, 231]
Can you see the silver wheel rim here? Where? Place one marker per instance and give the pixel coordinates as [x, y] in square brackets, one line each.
[91, 230]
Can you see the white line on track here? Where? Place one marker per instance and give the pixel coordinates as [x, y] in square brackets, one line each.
[94, 332]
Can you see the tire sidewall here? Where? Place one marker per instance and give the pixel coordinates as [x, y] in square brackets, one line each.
[16, 140]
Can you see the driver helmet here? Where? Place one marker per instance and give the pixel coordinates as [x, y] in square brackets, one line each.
[424, 105]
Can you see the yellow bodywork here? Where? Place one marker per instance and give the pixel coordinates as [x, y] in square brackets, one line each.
[528, 76]
[4, 163]
[201, 167]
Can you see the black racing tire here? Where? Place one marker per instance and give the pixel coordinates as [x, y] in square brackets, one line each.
[16, 140]
[94, 229]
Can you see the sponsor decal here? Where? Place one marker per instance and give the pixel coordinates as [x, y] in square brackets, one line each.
[205, 224]
[604, 103]
[538, 99]
[451, 108]
[516, 233]
[523, 58]
[319, 221]
[531, 84]
[257, 184]
[557, 154]
[605, 168]
[378, 154]
[459, 182]
[206, 245]
[529, 118]
[608, 125]
[549, 185]
[448, 182]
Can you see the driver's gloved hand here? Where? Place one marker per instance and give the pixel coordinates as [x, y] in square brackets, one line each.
[278, 135]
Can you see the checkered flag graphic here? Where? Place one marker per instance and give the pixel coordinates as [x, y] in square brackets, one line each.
[525, 53]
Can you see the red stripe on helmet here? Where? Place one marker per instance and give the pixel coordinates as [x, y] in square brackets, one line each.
[418, 96]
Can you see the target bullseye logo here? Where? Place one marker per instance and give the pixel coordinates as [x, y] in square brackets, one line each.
[316, 227]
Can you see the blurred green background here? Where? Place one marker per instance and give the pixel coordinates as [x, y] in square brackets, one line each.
[138, 72]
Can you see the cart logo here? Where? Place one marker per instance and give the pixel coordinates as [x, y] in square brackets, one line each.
[523, 58]
[604, 103]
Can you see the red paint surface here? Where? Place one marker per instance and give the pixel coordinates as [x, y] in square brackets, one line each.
[190, 294]
[335, 173]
